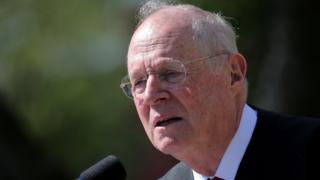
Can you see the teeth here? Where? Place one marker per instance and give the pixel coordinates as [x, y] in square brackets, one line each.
[169, 121]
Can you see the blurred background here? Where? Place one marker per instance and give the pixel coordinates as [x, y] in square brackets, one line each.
[61, 108]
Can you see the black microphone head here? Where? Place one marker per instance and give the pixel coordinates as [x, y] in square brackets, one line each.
[108, 168]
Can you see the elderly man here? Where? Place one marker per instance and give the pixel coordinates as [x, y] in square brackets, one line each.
[188, 83]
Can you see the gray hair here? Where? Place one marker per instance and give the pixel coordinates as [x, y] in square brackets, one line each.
[208, 28]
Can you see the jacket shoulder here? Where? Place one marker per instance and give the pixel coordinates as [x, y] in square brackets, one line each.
[290, 141]
[180, 171]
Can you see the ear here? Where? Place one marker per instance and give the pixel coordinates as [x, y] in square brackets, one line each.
[238, 70]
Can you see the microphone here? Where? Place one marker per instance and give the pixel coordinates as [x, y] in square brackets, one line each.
[108, 168]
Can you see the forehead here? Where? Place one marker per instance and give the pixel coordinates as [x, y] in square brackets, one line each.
[157, 38]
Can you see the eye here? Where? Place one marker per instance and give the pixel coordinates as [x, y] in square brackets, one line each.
[139, 82]
[172, 76]
[139, 85]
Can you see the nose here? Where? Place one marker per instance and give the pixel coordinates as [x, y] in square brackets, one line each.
[155, 91]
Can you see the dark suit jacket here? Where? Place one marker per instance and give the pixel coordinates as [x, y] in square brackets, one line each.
[281, 147]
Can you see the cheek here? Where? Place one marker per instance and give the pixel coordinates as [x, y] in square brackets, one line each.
[143, 112]
[144, 119]
[207, 96]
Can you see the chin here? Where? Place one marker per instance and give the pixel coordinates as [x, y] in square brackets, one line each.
[167, 146]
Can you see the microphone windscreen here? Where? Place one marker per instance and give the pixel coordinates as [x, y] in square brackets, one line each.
[108, 168]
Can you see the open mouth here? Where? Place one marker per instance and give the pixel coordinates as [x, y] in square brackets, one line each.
[169, 121]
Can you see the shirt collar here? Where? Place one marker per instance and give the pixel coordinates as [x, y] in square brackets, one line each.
[231, 159]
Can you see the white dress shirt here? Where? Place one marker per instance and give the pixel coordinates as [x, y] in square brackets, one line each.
[231, 159]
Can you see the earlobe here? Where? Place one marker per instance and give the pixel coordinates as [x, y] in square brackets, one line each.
[238, 69]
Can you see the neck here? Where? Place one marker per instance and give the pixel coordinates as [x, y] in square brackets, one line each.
[204, 160]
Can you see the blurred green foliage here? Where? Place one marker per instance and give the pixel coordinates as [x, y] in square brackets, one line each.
[61, 63]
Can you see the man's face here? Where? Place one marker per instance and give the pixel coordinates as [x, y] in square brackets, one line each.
[192, 114]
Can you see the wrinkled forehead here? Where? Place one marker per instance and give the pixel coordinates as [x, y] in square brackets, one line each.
[158, 39]
[154, 53]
